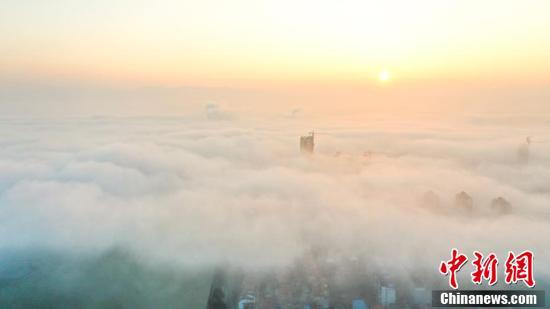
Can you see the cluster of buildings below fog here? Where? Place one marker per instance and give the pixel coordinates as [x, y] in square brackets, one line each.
[463, 203]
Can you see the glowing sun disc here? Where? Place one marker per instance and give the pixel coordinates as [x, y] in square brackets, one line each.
[384, 76]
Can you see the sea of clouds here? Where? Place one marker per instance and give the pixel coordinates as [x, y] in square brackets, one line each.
[203, 191]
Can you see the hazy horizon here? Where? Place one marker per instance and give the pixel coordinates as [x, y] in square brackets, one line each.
[149, 149]
[268, 57]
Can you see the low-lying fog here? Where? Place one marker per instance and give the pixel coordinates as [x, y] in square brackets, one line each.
[87, 200]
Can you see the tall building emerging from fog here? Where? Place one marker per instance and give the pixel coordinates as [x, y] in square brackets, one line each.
[523, 151]
[307, 143]
[464, 202]
[501, 206]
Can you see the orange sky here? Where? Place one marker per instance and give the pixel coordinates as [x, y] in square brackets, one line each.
[278, 44]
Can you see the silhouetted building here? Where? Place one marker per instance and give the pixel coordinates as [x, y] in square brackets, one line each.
[216, 299]
[523, 152]
[501, 206]
[387, 295]
[464, 202]
[431, 201]
[307, 143]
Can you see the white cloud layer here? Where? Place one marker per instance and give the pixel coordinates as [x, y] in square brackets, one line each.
[203, 192]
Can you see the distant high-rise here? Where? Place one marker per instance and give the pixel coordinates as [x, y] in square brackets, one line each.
[387, 295]
[523, 152]
[431, 201]
[501, 206]
[464, 201]
[217, 300]
[248, 302]
[307, 143]
[359, 304]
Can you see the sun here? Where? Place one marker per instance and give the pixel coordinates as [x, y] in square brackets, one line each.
[384, 76]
